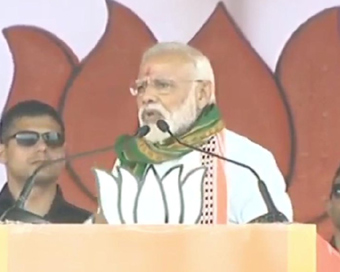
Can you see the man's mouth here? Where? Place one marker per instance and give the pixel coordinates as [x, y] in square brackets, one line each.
[35, 162]
[151, 116]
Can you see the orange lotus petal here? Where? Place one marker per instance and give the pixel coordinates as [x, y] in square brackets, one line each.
[309, 71]
[98, 105]
[247, 93]
[43, 65]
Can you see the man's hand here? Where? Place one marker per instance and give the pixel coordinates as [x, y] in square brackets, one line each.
[99, 217]
[96, 218]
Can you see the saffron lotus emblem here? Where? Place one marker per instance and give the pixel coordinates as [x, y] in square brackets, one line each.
[172, 198]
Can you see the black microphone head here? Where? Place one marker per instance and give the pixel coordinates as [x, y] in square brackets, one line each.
[163, 126]
[142, 131]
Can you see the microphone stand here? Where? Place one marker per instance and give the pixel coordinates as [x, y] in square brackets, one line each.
[273, 215]
[17, 211]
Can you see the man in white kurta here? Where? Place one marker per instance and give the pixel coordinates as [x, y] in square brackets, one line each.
[156, 180]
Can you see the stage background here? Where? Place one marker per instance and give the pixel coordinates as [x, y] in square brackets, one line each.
[277, 66]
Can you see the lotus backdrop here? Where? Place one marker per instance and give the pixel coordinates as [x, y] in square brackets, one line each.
[277, 65]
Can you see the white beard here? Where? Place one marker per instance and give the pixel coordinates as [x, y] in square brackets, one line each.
[179, 121]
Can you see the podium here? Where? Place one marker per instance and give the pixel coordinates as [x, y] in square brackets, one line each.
[165, 248]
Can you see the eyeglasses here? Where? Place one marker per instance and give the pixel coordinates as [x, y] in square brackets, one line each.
[162, 86]
[30, 138]
[336, 190]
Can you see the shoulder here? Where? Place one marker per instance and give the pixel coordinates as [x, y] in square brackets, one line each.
[77, 210]
[70, 213]
[241, 147]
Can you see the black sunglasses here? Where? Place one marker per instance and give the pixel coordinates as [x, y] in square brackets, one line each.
[336, 190]
[30, 138]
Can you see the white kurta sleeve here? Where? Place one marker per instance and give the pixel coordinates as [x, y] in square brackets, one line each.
[244, 197]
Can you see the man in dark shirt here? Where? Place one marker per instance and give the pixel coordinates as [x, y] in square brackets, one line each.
[333, 209]
[32, 133]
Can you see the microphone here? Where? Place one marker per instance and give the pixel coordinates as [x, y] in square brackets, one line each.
[17, 211]
[273, 215]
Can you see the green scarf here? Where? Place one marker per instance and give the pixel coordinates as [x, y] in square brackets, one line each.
[136, 154]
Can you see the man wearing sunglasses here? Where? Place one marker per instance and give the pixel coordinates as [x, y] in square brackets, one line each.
[32, 133]
[333, 208]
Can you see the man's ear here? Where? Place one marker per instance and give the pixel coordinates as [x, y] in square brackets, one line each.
[3, 155]
[204, 93]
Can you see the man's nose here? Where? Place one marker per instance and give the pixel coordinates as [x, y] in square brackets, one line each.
[149, 96]
[41, 145]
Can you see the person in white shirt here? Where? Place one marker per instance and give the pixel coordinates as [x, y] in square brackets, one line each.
[157, 180]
